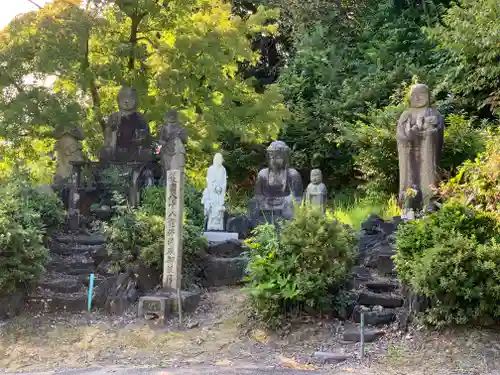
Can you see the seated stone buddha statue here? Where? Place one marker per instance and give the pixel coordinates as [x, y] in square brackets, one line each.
[277, 187]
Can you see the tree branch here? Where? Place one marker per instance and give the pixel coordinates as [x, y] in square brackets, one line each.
[35, 4]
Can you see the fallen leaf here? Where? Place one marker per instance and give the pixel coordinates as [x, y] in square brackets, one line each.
[293, 364]
[348, 369]
[224, 362]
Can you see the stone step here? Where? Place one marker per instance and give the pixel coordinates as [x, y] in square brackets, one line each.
[48, 302]
[61, 283]
[78, 264]
[370, 335]
[368, 298]
[223, 271]
[228, 249]
[82, 239]
[382, 285]
[71, 249]
[375, 317]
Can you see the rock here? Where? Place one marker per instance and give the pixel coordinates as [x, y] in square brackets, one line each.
[368, 298]
[227, 249]
[239, 224]
[371, 224]
[11, 304]
[223, 271]
[148, 278]
[327, 357]
[362, 273]
[381, 286]
[121, 293]
[370, 335]
[375, 318]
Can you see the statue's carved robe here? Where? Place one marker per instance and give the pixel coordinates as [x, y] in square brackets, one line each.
[213, 197]
[419, 154]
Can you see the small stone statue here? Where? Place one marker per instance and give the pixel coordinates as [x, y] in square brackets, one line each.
[316, 194]
[68, 148]
[277, 187]
[127, 136]
[171, 130]
[419, 136]
[214, 193]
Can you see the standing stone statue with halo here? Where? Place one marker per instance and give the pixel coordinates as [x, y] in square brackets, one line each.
[214, 193]
[420, 132]
[277, 187]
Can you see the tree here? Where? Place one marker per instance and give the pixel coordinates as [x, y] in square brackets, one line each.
[469, 40]
[180, 53]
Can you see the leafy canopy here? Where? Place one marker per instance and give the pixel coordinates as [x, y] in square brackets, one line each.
[181, 53]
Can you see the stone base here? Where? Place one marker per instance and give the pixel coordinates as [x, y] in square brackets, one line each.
[220, 236]
[164, 304]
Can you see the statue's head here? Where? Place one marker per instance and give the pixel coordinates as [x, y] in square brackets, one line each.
[316, 176]
[127, 99]
[218, 159]
[420, 96]
[172, 117]
[278, 155]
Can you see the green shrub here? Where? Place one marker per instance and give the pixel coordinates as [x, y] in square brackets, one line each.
[451, 257]
[310, 261]
[26, 217]
[478, 182]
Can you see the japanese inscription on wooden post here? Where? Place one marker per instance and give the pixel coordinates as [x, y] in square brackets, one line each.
[172, 257]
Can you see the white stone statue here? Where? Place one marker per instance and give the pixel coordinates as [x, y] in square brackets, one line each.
[214, 194]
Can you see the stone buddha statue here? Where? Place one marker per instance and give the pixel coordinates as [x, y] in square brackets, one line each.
[316, 193]
[420, 133]
[171, 131]
[277, 187]
[127, 136]
[68, 148]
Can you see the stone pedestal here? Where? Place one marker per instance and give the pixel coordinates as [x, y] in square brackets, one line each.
[164, 304]
[218, 237]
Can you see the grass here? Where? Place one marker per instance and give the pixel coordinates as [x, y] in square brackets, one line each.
[353, 213]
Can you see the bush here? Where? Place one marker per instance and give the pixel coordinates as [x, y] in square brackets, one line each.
[26, 217]
[138, 235]
[452, 257]
[478, 182]
[310, 261]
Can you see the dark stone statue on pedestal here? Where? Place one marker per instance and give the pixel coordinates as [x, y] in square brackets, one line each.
[127, 136]
[419, 135]
[277, 188]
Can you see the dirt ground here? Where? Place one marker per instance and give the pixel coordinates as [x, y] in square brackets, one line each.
[219, 333]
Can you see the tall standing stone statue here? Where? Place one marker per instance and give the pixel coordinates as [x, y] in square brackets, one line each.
[214, 193]
[419, 136]
[316, 193]
[127, 136]
[171, 130]
[277, 187]
[68, 148]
